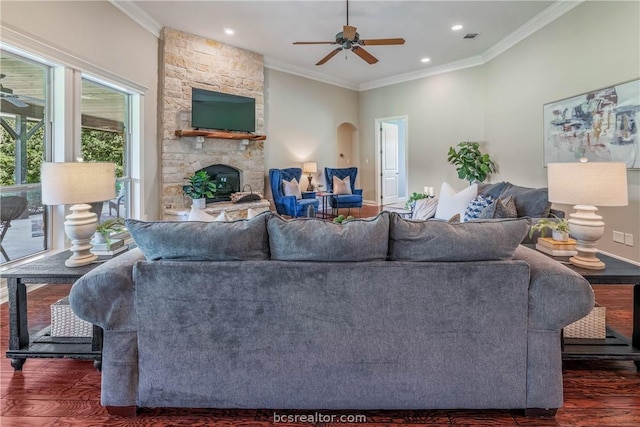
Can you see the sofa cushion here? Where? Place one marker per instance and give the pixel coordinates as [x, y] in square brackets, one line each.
[310, 239]
[424, 208]
[468, 241]
[451, 202]
[199, 241]
[531, 202]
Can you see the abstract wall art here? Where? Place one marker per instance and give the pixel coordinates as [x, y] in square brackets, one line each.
[601, 126]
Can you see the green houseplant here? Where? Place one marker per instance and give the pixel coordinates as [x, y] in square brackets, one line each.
[104, 229]
[559, 228]
[199, 187]
[470, 163]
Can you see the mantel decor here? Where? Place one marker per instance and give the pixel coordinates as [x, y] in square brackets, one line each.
[601, 126]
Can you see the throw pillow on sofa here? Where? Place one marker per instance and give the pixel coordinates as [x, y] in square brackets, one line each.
[311, 239]
[501, 208]
[424, 208]
[476, 206]
[202, 241]
[411, 240]
[451, 202]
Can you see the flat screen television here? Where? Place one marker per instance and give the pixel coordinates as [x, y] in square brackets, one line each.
[222, 111]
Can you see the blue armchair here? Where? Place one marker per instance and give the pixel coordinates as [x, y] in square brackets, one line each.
[289, 205]
[353, 200]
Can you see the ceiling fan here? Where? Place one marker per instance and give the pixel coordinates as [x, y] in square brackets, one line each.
[348, 38]
[17, 100]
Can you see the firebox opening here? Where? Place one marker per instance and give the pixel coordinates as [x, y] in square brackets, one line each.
[228, 179]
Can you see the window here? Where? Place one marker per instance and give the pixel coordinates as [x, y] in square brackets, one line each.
[24, 88]
[105, 137]
[55, 109]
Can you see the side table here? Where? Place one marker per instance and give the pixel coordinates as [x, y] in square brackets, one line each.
[615, 346]
[50, 270]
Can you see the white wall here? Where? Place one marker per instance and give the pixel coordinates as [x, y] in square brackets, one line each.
[301, 121]
[101, 35]
[500, 104]
[595, 45]
[442, 110]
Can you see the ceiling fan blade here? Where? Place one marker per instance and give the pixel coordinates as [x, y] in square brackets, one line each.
[333, 42]
[378, 42]
[364, 54]
[14, 100]
[331, 54]
[349, 32]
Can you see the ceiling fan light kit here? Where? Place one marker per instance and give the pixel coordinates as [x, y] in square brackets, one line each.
[349, 39]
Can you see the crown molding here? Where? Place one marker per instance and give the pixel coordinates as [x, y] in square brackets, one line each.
[535, 24]
[472, 61]
[285, 67]
[138, 15]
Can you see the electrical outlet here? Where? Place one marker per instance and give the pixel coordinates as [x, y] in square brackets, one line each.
[628, 239]
[618, 237]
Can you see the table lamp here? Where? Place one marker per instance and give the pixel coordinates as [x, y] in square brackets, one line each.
[78, 184]
[310, 168]
[587, 185]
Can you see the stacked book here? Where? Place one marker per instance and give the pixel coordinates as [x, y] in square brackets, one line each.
[106, 250]
[557, 247]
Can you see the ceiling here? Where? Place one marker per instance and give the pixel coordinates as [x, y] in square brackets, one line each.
[270, 28]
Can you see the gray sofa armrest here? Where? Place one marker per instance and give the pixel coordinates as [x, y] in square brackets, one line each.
[105, 295]
[558, 296]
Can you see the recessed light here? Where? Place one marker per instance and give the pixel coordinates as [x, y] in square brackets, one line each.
[457, 27]
[425, 60]
[229, 31]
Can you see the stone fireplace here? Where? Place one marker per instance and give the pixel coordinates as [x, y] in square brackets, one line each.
[189, 61]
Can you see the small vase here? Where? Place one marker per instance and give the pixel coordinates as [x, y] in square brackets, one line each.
[560, 236]
[199, 203]
[99, 238]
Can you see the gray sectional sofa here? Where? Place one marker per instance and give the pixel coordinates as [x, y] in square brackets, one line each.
[379, 313]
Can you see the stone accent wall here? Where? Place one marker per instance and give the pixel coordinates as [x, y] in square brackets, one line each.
[188, 61]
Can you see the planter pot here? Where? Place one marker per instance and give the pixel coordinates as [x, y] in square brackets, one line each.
[199, 203]
[561, 236]
[99, 238]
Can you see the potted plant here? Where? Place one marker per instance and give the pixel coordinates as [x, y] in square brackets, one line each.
[104, 229]
[200, 187]
[472, 165]
[559, 228]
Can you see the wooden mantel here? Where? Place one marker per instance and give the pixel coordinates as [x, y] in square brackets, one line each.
[220, 134]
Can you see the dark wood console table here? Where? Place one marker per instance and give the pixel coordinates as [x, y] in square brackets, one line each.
[615, 346]
[51, 270]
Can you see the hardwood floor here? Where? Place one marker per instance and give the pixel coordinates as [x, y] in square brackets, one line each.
[60, 392]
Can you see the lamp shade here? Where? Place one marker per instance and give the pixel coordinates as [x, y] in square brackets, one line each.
[310, 167]
[596, 184]
[74, 183]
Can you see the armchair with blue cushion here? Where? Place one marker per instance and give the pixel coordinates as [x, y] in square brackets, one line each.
[338, 201]
[289, 205]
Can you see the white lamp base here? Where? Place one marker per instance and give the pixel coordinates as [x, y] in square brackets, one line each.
[79, 227]
[587, 227]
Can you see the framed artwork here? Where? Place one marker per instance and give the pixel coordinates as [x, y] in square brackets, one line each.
[601, 125]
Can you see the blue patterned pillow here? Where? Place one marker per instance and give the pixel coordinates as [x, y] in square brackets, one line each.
[476, 206]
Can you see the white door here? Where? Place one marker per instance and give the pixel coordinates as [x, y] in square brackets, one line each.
[389, 157]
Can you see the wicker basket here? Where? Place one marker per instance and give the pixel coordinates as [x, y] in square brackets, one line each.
[592, 326]
[64, 323]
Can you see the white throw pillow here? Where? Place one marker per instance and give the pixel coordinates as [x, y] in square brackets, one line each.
[452, 203]
[425, 208]
[291, 188]
[199, 215]
[341, 186]
[222, 216]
